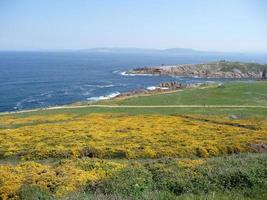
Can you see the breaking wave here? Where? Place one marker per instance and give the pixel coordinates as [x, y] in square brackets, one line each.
[109, 96]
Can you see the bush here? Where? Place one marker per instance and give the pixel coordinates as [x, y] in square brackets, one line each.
[235, 179]
[159, 195]
[166, 177]
[89, 152]
[34, 193]
[245, 174]
[201, 152]
[119, 154]
[131, 182]
[218, 174]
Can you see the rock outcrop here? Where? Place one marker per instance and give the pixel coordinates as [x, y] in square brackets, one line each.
[162, 87]
[170, 85]
[220, 69]
[133, 92]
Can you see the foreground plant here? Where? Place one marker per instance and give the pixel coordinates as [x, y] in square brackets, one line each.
[124, 136]
[136, 179]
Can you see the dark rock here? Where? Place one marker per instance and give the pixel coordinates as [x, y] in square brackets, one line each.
[170, 85]
[89, 152]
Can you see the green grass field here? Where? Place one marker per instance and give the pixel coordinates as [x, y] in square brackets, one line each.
[243, 93]
[254, 93]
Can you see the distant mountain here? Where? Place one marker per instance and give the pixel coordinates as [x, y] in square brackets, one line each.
[181, 50]
[172, 52]
[145, 51]
[119, 50]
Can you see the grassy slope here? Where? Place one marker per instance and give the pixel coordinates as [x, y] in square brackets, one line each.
[232, 94]
[235, 177]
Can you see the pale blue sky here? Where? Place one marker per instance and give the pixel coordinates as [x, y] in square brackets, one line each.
[220, 25]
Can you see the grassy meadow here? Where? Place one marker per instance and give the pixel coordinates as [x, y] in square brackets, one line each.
[140, 153]
[238, 93]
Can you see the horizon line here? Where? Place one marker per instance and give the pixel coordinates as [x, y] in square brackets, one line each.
[133, 48]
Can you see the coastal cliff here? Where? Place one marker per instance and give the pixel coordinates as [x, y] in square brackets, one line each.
[221, 69]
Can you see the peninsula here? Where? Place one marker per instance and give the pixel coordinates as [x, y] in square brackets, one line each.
[221, 69]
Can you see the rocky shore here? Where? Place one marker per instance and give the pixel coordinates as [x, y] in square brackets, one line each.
[164, 87]
[221, 69]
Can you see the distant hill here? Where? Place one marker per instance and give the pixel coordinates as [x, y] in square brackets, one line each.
[237, 56]
[146, 51]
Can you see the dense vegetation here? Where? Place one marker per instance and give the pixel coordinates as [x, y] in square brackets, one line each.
[123, 136]
[234, 177]
[243, 67]
[140, 153]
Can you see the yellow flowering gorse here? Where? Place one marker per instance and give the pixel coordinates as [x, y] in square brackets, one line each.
[60, 179]
[140, 136]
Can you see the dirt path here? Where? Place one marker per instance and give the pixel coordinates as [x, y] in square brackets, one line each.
[136, 106]
[176, 106]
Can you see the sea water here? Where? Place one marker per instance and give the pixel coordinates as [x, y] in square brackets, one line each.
[41, 79]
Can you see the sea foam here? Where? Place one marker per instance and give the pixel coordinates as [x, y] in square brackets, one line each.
[109, 96]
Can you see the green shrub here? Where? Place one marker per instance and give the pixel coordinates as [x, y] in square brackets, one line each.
[235, 179]
[131, 182]
[168, 180]
[158, 195]
[34, 193]
[120, 154]
[217, 174]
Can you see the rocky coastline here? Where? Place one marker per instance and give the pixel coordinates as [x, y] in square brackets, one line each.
[164, 87]
[221, 69]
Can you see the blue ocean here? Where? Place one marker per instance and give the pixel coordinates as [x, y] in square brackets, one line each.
[43, 79]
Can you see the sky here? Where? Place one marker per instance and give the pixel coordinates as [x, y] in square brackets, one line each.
[211, 25]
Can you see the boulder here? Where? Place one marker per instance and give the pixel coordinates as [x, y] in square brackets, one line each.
[170, 85]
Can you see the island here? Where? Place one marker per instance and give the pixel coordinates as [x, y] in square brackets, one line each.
[220, 69]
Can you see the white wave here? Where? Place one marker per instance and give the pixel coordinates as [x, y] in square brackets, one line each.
[47, 94]
[109, 96]
[105, 86]
[100, 86]
[86, 93]
[116, 72]
[180, 77]
[126, 74]
[19, 105]
[164, 88]
[152, 87]
[36, 99]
